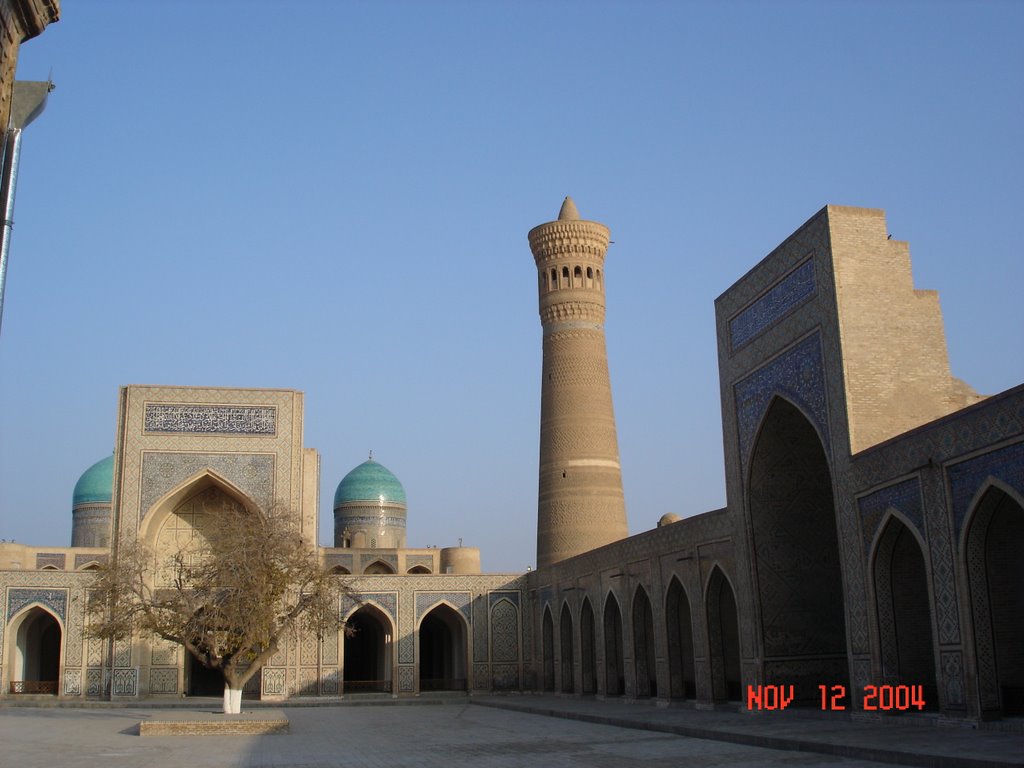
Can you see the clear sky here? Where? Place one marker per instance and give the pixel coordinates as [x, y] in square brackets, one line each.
[334, 197]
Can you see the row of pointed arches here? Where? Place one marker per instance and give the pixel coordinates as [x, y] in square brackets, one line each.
[591, 655]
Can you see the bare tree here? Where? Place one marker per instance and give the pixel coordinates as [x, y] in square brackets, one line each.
[228, 591]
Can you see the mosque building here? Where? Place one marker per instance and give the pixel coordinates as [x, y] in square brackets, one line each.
[875, 509]
[869, 543]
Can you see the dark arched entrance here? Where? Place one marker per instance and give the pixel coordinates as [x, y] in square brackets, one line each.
[203, 681]
[566, 649]
[995, 570]
[643, 645]
[679, 621]
[796, 556]
[37, 667]
[614, 664]
[548, 649]
[367, 652]
[904, 615]
[588, 648]
[723, 638]
[442, 646]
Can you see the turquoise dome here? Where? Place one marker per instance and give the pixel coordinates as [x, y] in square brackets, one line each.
[369, 481]
[96, 485]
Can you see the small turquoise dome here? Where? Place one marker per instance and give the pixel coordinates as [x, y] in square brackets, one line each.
[96, 485]
[369, 481]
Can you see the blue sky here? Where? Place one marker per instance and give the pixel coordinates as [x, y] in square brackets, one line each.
[334, 197]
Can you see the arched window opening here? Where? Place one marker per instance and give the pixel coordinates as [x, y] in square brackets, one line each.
[340, 570]
[367, 660]
[419, 569]
[566, 650]
[598, 278]
[565, 278]
[377, 568]
[554, 278]
[615, 675]
[681, 659]
[590, 277]
[643, 646]
[442, 651]
[548, 650]
[577, 277]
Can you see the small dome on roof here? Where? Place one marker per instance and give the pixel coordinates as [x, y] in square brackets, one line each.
[668, 518]
[370, 481]
[96, 485]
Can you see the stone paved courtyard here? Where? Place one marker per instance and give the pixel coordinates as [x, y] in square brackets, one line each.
[448, 735]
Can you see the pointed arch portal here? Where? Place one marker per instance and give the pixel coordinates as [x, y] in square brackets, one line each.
[643, 645]
[548, 651]
[614, 664]
[442, 647]
[904, 613]
[995, 571]
[367, 652]
[723, 638]
[799, 585]
[36, 663]
[679, 621]
[565, 650]
[588, 648]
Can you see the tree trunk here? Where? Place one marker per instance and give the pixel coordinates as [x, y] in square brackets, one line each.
[232, 699]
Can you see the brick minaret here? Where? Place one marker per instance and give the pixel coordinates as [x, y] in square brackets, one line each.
[580, 504]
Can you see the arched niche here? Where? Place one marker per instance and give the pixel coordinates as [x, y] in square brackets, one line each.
[681, 656]
[547, 637]
[992, 544]
[903, 610]
[368, 651]
[588, 648]
[35, 655]
[723, 637]
[565, 649]
[442, 647]
[798, 578]
[614, 661]
[643, 645]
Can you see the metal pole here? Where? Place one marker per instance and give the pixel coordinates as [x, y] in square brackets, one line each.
[27, 103]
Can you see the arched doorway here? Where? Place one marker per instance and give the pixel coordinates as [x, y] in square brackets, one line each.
[566, 650]
[904, 613]
[643, 645]
[588, 648]
[995, 571]
[614, 664]
[36, 667]
[548, 649]
[442, 649]
[796, 556]
[679, 621]
[367, 660]
[203, 681]
[723, 638]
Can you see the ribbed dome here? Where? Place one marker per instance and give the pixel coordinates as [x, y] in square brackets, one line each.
[96, 485]
[369, 481]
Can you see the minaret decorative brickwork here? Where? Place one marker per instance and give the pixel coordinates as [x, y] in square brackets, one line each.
[580, 504]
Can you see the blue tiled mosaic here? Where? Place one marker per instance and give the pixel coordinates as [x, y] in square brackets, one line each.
[798, 375]
[782, 298]
[427, 600]
[512, 597]
[905, 497]
[54, 599]
[965, 478]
